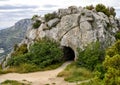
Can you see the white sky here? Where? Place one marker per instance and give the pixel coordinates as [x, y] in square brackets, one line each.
[14, 10]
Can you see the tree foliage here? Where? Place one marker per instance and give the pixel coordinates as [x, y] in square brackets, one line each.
[91, 56]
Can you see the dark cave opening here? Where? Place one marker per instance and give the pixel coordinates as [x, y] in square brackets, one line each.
[68, 53]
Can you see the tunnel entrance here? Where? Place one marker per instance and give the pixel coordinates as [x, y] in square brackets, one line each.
[68, 53]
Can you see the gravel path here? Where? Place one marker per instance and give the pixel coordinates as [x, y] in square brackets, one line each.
[39, 78]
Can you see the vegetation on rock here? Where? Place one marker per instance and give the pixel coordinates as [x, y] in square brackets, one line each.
[106, 10]
[50, 16]
[36, 24]
[34, 17]
[102, 8]
[43, 54]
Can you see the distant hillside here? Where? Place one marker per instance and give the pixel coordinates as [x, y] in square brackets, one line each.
[13, 35]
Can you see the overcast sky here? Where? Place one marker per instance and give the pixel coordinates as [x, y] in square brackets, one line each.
[13, 10]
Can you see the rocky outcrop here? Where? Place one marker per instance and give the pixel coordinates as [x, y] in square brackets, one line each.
[76, 27]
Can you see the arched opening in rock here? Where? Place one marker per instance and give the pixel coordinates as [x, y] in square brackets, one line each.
[68, 53]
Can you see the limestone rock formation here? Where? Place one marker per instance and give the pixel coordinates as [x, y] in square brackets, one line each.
[76, 27]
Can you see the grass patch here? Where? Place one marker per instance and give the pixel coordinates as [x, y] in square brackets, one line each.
[27, 68]
[74, 73]
[92, 82]
[12, 82]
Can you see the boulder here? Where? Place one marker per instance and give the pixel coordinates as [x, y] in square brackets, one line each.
[53, 22]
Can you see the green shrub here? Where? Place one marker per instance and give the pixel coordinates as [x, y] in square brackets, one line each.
[19, 59]
[114, 49]
[34, 17]
[91, 56]
[106, 10]
[112, 64]
[43, 55]
[117, 35]
[50, 16]
[36, 24]
[46, 53]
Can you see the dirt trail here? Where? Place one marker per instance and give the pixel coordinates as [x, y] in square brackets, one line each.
[39, 78]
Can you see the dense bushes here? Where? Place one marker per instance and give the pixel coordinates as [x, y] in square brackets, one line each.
[42, 54]
[112, 65]
[106, 72]
[106, 10]
[46, 53]
[91, 56]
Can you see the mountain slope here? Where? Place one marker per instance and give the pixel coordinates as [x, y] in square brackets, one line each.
[13, 35]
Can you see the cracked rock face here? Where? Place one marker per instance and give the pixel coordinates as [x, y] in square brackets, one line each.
[78, 27]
